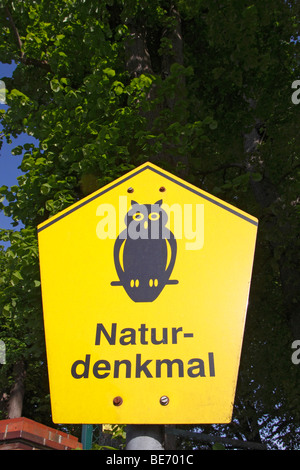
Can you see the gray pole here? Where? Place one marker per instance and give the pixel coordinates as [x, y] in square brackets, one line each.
[144, 437]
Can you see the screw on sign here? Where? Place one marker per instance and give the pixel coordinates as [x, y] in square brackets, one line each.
[117, 401]
[164, 400]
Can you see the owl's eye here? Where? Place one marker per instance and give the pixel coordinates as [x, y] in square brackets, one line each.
[138, 216]
[154, 216]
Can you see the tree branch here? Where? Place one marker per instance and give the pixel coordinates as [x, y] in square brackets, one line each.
[15, 31]
[206, 438]
[36, 62]
[222, 167]
[25, 60]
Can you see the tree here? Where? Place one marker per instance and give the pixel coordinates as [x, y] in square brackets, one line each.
[21, 326]
[203, 88]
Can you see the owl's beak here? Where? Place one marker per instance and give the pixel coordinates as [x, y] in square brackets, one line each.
[146, 225]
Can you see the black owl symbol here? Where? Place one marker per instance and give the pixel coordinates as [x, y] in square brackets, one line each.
[145, 252]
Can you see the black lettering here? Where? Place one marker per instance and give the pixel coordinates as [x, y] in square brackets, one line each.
[117, 368]
[131, 336]
[86, 368]
[143, 330]
[164, 339]
[175, 331]
[199, 368]
[101, 365]
[169, 367]
[110, 338]
[211, 363]
[142, 367]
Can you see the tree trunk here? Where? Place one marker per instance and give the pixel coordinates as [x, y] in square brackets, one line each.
[175, 56]
[138, 61]
[266, 194]
[15, 401]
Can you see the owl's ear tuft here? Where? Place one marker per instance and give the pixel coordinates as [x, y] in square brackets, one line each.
[133, 202]
[159, 203]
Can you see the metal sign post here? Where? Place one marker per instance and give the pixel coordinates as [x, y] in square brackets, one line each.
[145, 437]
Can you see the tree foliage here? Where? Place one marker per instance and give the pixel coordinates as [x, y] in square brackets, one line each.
[203, 88]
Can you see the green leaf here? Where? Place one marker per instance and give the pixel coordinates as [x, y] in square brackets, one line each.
[218, 446]
[55, 85]
[256, 176]
[17, 150]
[118, 90]
[28, 146]
[16, 275]
[109, 72]
[45, 188]
[49, 205]
[213, 125]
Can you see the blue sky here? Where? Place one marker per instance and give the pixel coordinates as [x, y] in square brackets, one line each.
[9, 163]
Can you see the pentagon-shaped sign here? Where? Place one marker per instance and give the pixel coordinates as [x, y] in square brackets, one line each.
[145, 286]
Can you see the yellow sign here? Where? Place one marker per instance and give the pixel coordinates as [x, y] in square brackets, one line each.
[145, 286]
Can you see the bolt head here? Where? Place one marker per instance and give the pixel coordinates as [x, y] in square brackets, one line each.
[164, 400]
[117, 401]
